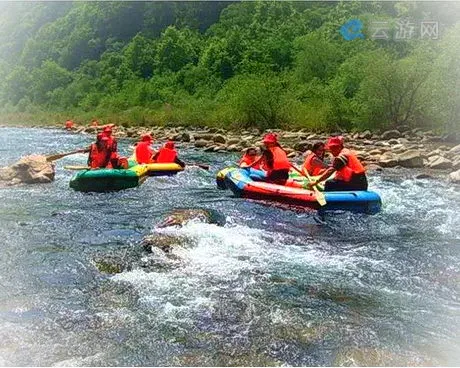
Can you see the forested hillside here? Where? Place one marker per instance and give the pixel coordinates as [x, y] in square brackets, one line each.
[265, 64]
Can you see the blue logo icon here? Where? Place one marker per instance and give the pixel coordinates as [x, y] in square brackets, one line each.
[352, 30]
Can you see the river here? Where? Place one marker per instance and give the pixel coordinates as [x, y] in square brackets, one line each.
[270, 287]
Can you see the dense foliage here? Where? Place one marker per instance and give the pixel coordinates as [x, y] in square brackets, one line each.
[265, 64]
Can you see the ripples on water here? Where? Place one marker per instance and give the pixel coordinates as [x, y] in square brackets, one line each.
[271, 287]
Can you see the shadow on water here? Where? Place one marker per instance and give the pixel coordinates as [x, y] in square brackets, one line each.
[263, 285]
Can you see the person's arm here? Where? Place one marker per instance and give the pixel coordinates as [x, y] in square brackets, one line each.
[178, 161]
[323, 177]
[338, 163]
[253, 164]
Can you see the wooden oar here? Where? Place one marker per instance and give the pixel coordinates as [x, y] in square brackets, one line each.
[318, 195]
[201, 166]
[76, 167]
[61, 155]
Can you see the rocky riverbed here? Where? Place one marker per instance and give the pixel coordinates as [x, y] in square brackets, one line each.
[438, 155]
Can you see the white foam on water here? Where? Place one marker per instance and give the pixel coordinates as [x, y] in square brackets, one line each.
[220, 260]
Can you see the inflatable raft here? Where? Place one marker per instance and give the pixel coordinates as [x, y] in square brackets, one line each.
[158, 169]
[106, 180]
[241, 184]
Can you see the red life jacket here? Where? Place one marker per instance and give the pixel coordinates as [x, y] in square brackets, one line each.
[280, 160]
[166, 155]
[247, 160]
[353, 166]
[310, 167]
[98, 158]
[144, 153]
[69, 124]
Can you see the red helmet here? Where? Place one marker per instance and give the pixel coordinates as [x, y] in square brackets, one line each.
[270, 138]
[146, 138]
[169, 144]
[334, 142]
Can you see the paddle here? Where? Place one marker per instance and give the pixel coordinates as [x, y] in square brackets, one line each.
[61, 155]
[319, 195]
[76, 167]
[201, 166]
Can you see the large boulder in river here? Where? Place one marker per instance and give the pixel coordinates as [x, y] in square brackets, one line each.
[165, 242]
[29, 170]
[440, 163]
[410, 159]
[180, 217]
[388, 159]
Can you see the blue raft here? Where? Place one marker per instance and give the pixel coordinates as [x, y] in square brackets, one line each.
[241, 184]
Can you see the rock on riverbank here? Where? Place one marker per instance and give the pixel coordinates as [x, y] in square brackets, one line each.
[393, 148]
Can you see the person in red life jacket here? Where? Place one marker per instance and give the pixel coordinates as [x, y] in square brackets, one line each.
[350, 174]
[314, 162]
[113, 147]
[99, 155]
[249, 157]
[168, 154]
[274, 160]
[68, 125]
[112, 142]
[94, 123]
[143, 150]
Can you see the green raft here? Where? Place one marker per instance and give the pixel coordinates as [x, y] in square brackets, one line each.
[107, 180]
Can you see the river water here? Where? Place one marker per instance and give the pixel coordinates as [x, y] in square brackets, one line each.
[270, 287]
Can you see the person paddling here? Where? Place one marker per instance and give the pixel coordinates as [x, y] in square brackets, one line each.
[314, 162]
[350, 173]
[144, 150]
[274, 160]
[168, 154]
[99, 154]
[116, 161]
[249, 157]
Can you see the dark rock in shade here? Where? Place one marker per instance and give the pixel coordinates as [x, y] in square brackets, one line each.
[185, 137]
[423, 176]
[200, 143]
[391, 134]
[165, 242]
[367, 134]
[219, 138]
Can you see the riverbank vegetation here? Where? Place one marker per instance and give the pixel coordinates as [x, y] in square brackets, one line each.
[243, 64]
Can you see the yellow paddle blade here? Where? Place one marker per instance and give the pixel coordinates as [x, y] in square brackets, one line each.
[320, 197]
